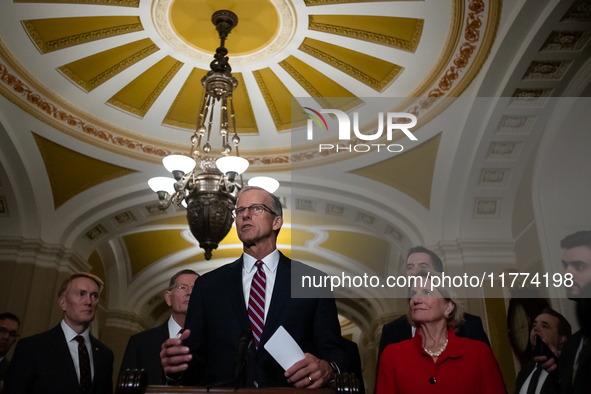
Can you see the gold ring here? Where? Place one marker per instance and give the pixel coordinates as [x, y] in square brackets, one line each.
[310, 378]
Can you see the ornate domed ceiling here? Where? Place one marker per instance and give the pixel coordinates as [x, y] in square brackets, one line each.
[138, 64]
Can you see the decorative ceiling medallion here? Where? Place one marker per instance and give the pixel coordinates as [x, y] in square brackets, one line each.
[287, 23]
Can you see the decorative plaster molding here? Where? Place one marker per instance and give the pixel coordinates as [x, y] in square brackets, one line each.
[547, 70]
[66, 42]
[394, 42]
[126, 321]
[141, 112]
[109, 73]
[4, 213]
[39, 253]
[566, 41]
[359, 75]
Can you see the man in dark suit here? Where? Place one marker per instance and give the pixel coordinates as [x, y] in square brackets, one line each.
[575, 360]
[420, 260]
[9, 325]
[253, 294]
[143, 349]
[554, 330]
[65, 359]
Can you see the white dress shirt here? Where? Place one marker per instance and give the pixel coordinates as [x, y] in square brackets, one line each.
[73, 346]
[174, 330]
[270, 263]
[541, 381]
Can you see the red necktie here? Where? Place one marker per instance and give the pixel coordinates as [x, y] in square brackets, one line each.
[256, 303]
[84, 362]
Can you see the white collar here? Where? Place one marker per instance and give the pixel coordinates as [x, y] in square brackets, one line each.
[173, 328]
[270, 261]
[71, 334]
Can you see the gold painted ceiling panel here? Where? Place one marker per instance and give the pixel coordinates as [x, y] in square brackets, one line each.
[365, 249]
[146, 248]
[258, 24]
[376, 73]
[57, 33]
[401, 33]
[70, 173]
[139, 95]
[185, 108]
[410, 172]
[327, 92]
[278, 99]
[94, 70]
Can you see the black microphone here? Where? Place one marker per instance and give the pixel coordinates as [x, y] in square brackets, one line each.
[240, 359]
[242, 353]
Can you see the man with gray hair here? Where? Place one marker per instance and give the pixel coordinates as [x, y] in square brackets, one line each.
[143, 349]
[67, 358]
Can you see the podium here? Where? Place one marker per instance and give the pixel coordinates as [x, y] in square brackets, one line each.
[135, 382]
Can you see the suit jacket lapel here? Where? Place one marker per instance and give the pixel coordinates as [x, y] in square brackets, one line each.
[62, 353]
[96, 358]
[281, 292]
[236, 293]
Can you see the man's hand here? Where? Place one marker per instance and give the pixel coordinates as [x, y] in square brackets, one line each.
[310, 372]
[548, 365]
[174, 356]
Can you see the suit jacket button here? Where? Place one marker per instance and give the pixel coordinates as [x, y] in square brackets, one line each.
[432, 380]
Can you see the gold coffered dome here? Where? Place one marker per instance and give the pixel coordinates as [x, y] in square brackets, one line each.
[139, 64]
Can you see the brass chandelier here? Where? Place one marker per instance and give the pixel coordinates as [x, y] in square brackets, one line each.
[205, 186]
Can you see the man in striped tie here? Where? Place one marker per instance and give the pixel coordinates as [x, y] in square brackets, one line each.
[253, 295]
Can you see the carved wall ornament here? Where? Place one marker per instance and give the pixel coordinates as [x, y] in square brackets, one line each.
[515, 124]
[530, 97]
[580, 11]
[305, 205]
[547, 69]
[487, 208]
[504, 150]
[497, 178]
[569, 40]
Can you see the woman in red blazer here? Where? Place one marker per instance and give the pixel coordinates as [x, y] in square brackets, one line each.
[435, 360]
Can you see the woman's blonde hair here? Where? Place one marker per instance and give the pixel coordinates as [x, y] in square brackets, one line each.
[456, 318]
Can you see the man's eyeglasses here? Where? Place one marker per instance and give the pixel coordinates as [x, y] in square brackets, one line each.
[12, 334]
[181, 288]
[254, 210]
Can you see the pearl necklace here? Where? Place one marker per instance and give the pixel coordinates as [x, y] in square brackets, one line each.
[438, 353]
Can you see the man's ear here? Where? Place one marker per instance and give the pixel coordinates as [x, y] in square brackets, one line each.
[277, 223]
[167, 298]
[62, 302]
[561, 342]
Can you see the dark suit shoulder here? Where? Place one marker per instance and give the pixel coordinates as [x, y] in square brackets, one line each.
[158, 332]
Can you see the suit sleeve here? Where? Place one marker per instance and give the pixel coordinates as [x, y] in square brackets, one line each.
[130, 357]
[386, 383]
[195, 374]
[21, 372]
[108, 379]
[327, 335]
[491, 381]
[475, 330]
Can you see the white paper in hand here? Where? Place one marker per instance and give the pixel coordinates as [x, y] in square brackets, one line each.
[284, 349]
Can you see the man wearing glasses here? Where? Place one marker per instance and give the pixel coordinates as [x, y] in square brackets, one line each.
[143, 349]
[9, 326]
[253, 295]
